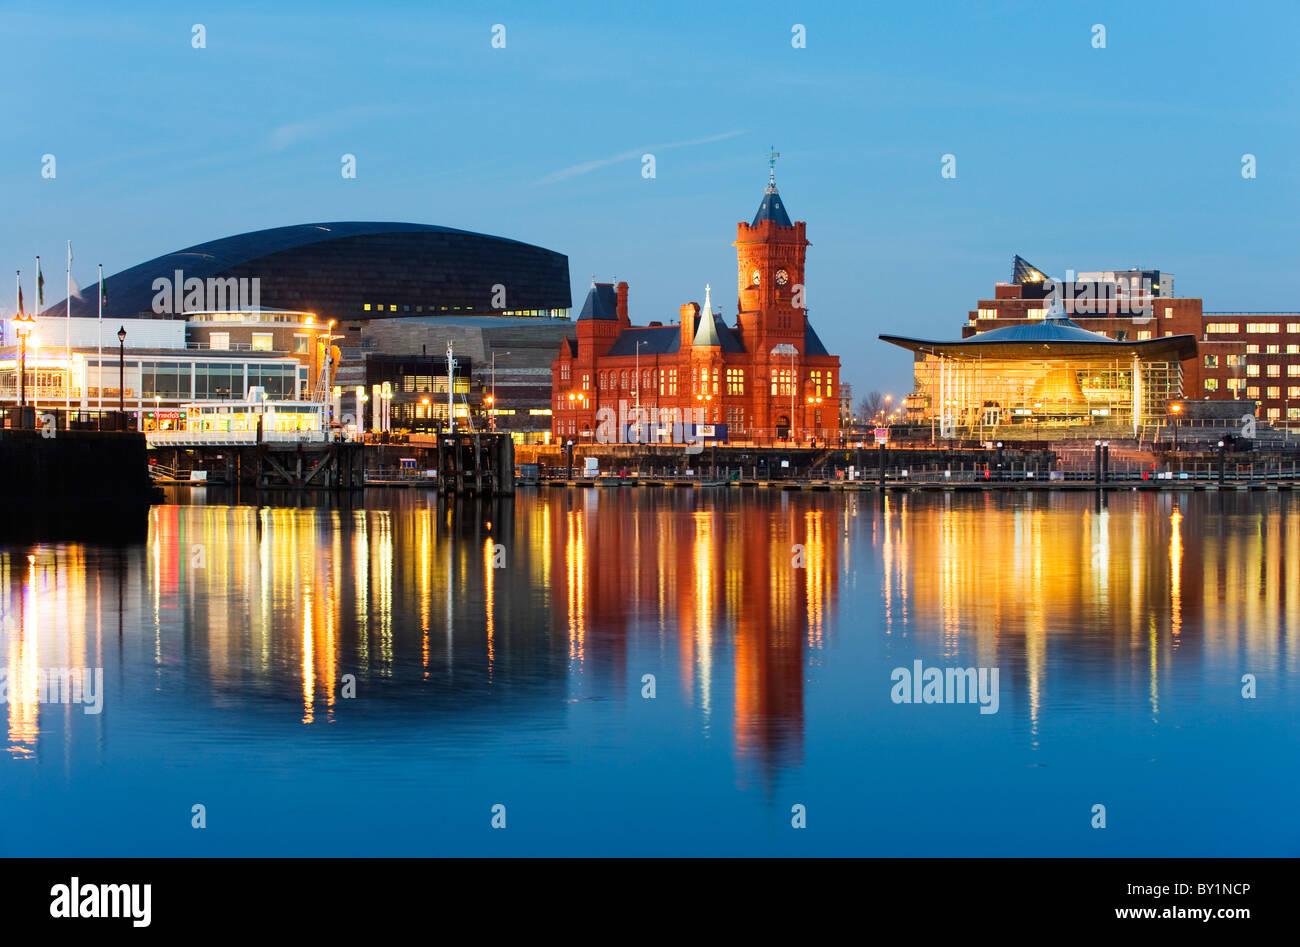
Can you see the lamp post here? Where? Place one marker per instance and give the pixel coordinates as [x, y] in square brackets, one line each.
[121, 377]
[640, 342]
[23, 325]
[1176, 409]
[492, 398]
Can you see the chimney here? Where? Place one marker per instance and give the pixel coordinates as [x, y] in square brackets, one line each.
[688, 313]
[622, 304]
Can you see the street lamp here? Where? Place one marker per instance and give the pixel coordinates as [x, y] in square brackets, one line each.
[640, 342]
[23, 325]
[121, 376]
[1176, 409]
[492, 399]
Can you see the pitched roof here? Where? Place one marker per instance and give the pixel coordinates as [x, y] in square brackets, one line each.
[1022, 271]
[772, 208]
[812, 344]
[706, 331]
[601, 303]
[656, 340]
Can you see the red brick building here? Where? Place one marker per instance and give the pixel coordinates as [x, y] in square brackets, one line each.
[763, 379]
[1252, 357]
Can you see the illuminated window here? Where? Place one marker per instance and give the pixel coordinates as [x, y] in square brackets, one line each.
[1036, 313]
[735, 381]
[262, 341]
[1252, 371]
[1144, 334]
[1273, 392]
[1252, 392]
[1293, 369]
[1211, 384]
[1293, 349]
[1252, 350]
[1236, 384]
[586, 382]
[366, 307]
[1274, 371]
[988, 314]
[1222, 327]
[1293, 327]
[1272, 349]
[300, 344]
[1236, 361]
[1211, 361]
[1263, 327]
[1169, 312]
[715, 381]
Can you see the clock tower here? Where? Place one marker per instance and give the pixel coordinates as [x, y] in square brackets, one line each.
[770, 256]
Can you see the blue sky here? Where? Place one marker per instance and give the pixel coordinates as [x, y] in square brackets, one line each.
[1074, 157]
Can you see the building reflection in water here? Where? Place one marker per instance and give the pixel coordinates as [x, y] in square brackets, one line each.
[730, 598]
[1054, 588]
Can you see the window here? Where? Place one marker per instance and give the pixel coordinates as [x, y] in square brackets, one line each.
[1274, 413]
[1293, 414]
[988, 314]
[1211, 384]
[586, 382]
[1252, 350]
[262, 341]
[1293, 391]
[1169, 312]
[564, 372]
[1293, 327]
[300, 344]
[1293, 349]
[1211, 361]
[1252, 392]
[645, 378]
[1236, 384]
[782, 381]
[735, 381]
[714, 389]
[602, 381]
[1263, 327]
[1274, 371]
[668, 381]
[1293, 369]
[1236, 361]
[219, 340]
[1229, 328]
[1272, 349]
[1035, 313]
[1144, 334]
[1252, 371]
[1273, 392]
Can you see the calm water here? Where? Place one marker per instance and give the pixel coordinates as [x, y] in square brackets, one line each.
[1121, 634]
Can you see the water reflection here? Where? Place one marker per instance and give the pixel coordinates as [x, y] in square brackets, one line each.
[739, 603]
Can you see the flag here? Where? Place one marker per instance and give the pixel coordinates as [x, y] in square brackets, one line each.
[20, 300]
[74, 291]
[103, 294]
[40, 288]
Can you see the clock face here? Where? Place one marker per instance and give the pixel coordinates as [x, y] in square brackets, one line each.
[782, 277]
[753, 277]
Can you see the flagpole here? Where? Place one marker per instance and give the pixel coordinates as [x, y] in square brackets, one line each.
[36, 370]
[67, 341]
[100, 370]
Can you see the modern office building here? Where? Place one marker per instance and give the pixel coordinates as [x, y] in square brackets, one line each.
[151, 372]
[765, 378]
[334, 295]
[1051, 376]
[1247, 356]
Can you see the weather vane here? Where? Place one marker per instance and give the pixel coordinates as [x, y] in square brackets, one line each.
[771, 164]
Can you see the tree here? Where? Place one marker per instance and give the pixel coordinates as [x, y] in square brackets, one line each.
[870, 405]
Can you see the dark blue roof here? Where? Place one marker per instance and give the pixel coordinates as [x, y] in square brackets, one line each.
[602, 303]
[334, 268]
[656, 340]
[772, 208]
[812, 345]
[1048, 330]
[726, 337]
